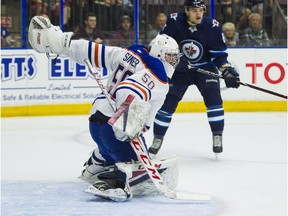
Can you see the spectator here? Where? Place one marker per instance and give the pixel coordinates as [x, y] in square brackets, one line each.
[90, 31]
[117, 12]
[231, 37]
[256, 6]
[227, 8]
[124, 36]
[254, 35]
[66, 14]
[6, 38]
[128, 7]
[241, 12]
[243, 19]
[39, 8]
[104, 10]
[159, 24]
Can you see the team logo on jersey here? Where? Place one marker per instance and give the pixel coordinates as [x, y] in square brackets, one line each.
[192, 49]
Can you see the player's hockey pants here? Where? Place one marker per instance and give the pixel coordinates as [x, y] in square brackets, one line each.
[111, 149]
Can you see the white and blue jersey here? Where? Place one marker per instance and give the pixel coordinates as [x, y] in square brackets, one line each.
[131, 71]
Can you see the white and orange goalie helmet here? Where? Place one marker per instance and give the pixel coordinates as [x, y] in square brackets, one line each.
[166, 49]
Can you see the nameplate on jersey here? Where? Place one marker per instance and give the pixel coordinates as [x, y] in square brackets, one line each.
[131, 59]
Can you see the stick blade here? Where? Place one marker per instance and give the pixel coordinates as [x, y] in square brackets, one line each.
[178, 195]
[192, 196]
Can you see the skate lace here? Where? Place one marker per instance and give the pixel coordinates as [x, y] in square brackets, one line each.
[217, 141]
[157, 143]
[101, 186]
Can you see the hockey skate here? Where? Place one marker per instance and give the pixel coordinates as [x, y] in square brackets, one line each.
[155, 147]
[217, 144]
[104, 190]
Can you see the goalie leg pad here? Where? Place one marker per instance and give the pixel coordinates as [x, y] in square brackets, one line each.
[46, 38]
[139, 180]
[130, 118]
[94, 167]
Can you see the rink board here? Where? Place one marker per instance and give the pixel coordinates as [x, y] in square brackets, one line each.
[32, 85]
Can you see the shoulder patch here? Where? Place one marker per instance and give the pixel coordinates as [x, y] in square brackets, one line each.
[215, 23]
[174, 16]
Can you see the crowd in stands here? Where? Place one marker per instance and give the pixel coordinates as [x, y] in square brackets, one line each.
[111, 21]
[247, 31]
[6, 38]
[253, 35]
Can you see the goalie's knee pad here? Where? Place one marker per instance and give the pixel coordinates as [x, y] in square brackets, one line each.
[46, 38]
[94, 167]
[93, 172]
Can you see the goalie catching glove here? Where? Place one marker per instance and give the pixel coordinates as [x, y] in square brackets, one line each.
[129, 120]
[230, 76]
[47, 38]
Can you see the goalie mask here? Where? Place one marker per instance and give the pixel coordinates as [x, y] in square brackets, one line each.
[166, 49]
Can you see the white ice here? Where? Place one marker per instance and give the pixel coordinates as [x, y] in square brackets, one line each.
[43, 156]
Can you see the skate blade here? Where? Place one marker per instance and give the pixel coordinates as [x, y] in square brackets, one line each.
[117, 195]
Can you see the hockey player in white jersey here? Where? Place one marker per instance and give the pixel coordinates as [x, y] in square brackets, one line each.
[137, 70]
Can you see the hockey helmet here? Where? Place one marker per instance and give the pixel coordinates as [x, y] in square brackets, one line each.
[166, 49]
[195, 3]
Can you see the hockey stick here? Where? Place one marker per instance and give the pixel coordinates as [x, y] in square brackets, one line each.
[154, 175]
[100, 84]
[241, 83]
[142, 153]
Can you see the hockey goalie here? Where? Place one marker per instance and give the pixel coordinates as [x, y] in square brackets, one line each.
[137, 86]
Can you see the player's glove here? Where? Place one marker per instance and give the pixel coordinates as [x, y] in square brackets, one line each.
[47, 38]
[231, 77]
[40, 22]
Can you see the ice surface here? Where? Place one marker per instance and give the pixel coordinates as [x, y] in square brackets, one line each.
[41, 158]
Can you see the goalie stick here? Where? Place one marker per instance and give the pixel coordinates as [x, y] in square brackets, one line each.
[100, 84]
[142, 153]
[241, 83]
[143, 156]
